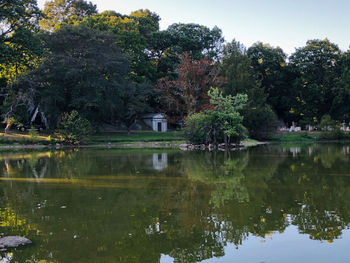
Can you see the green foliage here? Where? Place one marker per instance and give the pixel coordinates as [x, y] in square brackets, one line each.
[221, 124]
[133, 36]
[295, 137]
[57, 12]
[317, 70]
[260, 121]
[33, 133]
[275, 77]
[74, 129]
[335, 134]
[137, 136]
[259, 118]
[327, 124]
[198, 128]
[78, 74]
[330, 129]
[19, 46]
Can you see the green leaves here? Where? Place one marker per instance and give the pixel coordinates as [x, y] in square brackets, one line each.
[74, 129]
[223, 123]
[58, 12]
[317, 68]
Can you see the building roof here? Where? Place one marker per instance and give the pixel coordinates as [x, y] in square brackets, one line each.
[154, 116]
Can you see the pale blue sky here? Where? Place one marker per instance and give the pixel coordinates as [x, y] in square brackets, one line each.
[284, 23]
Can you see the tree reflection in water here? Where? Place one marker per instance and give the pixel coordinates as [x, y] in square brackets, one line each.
[119, 206]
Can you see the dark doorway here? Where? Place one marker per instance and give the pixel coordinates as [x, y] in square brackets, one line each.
[159, 126]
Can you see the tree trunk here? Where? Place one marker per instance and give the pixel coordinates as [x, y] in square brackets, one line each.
[226, 142]
[214, 134]
[8, 127]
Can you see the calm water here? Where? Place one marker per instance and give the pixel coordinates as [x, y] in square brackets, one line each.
[266, 204]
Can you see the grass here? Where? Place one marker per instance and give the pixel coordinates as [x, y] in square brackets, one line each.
[148, 136]
[296, 137]
[22, 138]
[312, 137]
[250, 140]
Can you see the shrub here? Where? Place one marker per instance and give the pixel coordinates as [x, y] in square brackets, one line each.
[327, 124]
[74, 129]
[335, 134]
[33, 134]
[197, 128]
[221, 124]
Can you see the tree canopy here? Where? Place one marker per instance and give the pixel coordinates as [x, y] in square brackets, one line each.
[110, 66]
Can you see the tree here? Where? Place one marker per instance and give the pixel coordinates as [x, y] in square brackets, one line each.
[65, 11]
[223, 123]
[275, 77]
[340, 109]
[19, 46]
[74, 129]
[189, 92]
[197, 40]
[133, 36]
[82, 71]
[133, 102]
[241, 77]
[317, 67]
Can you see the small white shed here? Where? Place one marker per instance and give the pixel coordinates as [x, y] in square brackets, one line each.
[156, 121]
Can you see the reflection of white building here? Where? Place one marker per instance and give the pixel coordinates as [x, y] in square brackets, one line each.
[295, 150]
[157, 122]
[160, 161]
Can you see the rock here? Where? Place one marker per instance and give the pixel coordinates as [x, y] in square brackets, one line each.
[14, 241]
[191, 147]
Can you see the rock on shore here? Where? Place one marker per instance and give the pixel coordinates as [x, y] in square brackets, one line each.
[14, 241]
[221, 146]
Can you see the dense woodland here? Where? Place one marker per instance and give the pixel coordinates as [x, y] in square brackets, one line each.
[108, 66]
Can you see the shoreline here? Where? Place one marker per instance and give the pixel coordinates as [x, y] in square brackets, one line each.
[149, 145]
[126, 145]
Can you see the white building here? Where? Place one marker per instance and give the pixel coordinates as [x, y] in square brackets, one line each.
[156, 121]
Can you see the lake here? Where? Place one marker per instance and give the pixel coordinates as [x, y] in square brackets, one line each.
[271, 203]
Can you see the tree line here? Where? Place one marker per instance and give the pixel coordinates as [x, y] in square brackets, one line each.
[108, 66]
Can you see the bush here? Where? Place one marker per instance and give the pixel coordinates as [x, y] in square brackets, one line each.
[335, 134]
[33, 134]
[74, 129]
[197, 128]
[327, 124]
[222, 124]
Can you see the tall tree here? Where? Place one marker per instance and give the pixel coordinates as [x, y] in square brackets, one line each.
[18, 45]
[317, 67]
[133, 36]
[83, 70]
[197, 40]
[189, 92]
[340, 109]
[241, 77]
[59, 11]
[275, 76]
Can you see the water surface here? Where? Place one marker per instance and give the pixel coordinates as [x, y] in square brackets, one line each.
[275, 203]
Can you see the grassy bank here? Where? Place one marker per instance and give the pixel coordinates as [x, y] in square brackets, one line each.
[15, 138]
[146, 136]
[311, 137]
[23, 138]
